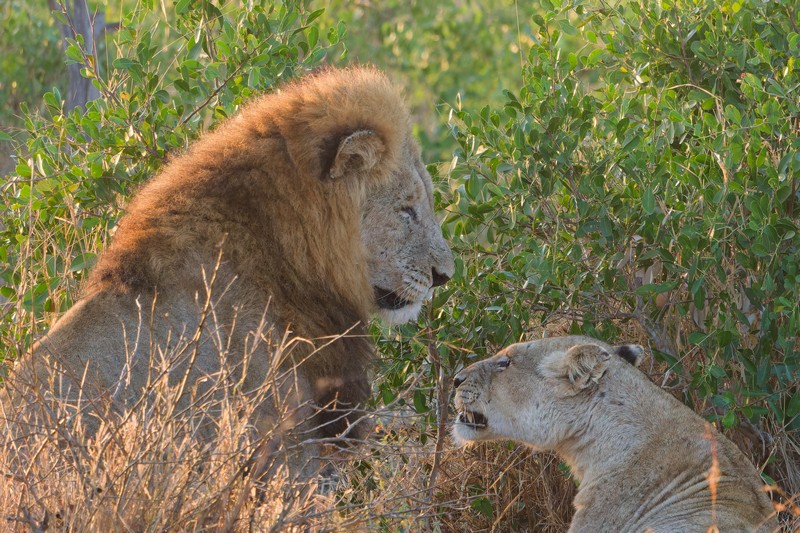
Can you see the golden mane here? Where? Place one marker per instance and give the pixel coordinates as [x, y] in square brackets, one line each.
[263, 175]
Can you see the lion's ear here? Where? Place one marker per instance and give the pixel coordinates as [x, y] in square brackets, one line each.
[582, 365]
[358, 153]
[632, 353]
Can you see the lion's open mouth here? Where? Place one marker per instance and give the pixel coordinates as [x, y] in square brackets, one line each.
[472, 419]
[389, 299]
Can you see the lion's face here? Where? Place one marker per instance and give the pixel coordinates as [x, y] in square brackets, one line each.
[406, 253]
[532, 392]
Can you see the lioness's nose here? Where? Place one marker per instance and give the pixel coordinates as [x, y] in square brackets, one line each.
[458, 380]
[438, 278]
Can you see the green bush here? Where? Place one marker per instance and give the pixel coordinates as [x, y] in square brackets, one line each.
[169, 78]
[440, 52]
[660, 199]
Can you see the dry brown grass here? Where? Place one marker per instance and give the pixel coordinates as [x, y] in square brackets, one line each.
[149, 468]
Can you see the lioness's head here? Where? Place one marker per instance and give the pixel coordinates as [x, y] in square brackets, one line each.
[533, 391]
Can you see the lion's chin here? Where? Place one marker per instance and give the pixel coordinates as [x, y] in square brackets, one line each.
[393, 308]
[400, 315]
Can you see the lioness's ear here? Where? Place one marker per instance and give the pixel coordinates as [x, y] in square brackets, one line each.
[582, 365]
[359, 152]
[632, 353]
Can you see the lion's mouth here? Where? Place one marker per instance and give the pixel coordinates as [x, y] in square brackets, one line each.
[472, 419]
[389, 299]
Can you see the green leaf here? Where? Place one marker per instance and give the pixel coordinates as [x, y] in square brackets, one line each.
[656, 288]
[123, 63]
[314, 15]
[594, 57]
[710, 121]
[82, 261]
[783, 166]
[388, 395]
[483, 506]
[648, 201]
[733, 115]
[74, 53]
[753, 81]
[420, 404]
[729, 419]
[793, 408]
[716, 371]
[182, 6]
[697, 337]
[313, 36]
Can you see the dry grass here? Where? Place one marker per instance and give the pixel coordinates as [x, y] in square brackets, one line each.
[154, 468]
[150, 468]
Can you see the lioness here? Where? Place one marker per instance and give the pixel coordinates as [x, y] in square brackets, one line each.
[645, 461]
[307, 212]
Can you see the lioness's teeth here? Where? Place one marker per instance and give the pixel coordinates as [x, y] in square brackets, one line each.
[472, 418]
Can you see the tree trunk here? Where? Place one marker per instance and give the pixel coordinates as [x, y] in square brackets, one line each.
[80, 22]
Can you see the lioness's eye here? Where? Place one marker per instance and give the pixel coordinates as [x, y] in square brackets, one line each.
[410, 211]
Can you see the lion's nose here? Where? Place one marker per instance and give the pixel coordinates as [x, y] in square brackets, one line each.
[439, 279]
[458, 380]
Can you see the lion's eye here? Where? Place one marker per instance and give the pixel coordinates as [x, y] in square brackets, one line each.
[411, 212]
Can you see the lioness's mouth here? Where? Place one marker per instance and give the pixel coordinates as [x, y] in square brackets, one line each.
[389, 299]
[472, 419]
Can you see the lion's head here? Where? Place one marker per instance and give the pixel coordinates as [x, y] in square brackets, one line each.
[355, 160]
[532, 392]
[407, 255]
[327, 179]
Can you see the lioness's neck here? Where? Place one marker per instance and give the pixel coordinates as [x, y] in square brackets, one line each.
[631, 456]
[611, 441]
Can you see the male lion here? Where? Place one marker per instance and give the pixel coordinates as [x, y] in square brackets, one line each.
[307, 211]
[645, 461]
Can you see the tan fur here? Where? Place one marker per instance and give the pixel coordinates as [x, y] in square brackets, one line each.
[645, 461]
[300, 197]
